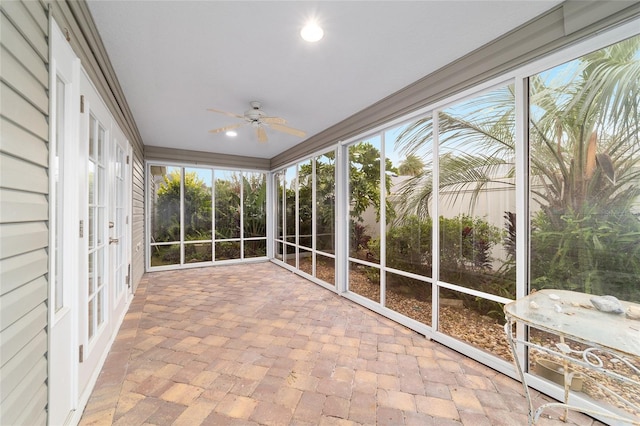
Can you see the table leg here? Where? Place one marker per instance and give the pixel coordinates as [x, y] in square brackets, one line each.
[508, 328]
[567, 383]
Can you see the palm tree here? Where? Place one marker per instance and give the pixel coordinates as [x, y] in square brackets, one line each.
[584, 154]
[475, 147]
[411, 166]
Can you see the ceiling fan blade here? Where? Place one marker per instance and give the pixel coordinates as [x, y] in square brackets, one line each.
[288, 130]
[230, 114]
[273, 120]
[225, 128]
[262, 134]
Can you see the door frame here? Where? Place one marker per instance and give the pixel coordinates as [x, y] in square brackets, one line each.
[62, 335]
[70, 381]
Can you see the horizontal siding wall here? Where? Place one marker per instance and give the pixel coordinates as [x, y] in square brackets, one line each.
[24, 210]
[137, 219]
[568, 23]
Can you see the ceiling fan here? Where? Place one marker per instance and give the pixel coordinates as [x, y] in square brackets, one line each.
[258, 119]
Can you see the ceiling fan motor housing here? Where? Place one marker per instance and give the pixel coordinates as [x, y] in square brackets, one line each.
[255, 113]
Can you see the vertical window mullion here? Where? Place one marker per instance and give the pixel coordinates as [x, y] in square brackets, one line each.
[242, 215]
[522, 203]
[271, 212]
[383, 220]
[297, 216]
[314, 214]
[182, 176]
[283, 216]
[213, 215]
[435, 223]
[522, 184]
[342, 218]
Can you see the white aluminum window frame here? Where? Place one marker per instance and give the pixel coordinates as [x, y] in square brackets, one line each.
[182, 265]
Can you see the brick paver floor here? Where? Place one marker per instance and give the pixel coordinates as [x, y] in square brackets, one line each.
[258, 345]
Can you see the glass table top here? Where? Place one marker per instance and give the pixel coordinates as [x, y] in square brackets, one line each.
[572, 314]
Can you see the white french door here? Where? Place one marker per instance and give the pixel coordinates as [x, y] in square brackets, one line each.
[90, 232]
[104, 212]
[119, 214]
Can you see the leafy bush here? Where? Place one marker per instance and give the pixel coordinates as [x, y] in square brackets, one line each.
[227, 207]
[465, 245]
[594, 252]
[465, 257]
[197, 208]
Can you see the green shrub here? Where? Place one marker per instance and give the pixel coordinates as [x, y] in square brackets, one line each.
[465, 247]
[594, 251]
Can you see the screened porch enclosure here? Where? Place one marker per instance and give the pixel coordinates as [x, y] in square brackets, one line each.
[438, 219]
[199, 216]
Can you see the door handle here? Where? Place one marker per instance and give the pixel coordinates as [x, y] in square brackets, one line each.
[113, 240]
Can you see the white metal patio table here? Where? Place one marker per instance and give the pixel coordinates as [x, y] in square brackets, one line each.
[601, 336]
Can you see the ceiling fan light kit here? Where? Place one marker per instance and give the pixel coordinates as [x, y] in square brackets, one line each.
[258, 119]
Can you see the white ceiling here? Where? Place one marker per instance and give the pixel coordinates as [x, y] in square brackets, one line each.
[175, 59]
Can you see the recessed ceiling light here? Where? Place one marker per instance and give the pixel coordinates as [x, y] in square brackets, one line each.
[311, 32]
[232, 133]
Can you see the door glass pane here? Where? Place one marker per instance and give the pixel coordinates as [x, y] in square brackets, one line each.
[90, 323]
[96, 212]
[98, 298]
[119, 163]
[364, 200]
[254, 204]
[100, 195]
[92, 137]
[90, 227]
[91, 181]
[100, 225]
[100, 307]
[165, 203]
[91, 275]
[325, 202]
[228, 187]
[100, 260]
[101, 145]
[197, 204]
[57, 169]
[305, 203]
